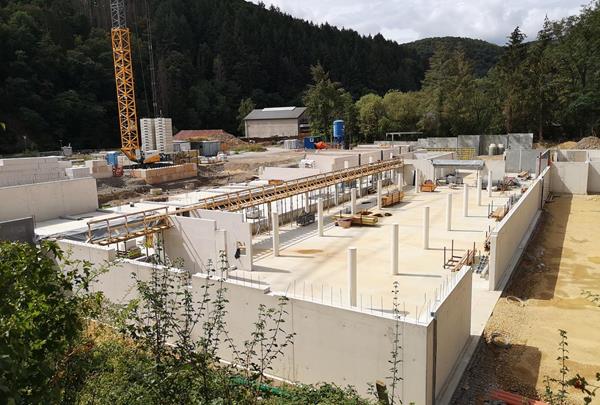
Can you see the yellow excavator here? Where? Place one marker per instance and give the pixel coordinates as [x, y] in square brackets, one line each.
[128, 124]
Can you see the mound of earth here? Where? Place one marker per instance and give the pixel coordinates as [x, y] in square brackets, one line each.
[590, 142]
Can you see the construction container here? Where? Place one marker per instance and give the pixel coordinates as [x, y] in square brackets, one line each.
[210, 148]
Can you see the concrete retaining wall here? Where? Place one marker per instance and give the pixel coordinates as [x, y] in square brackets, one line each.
[569, 177]
[332, 344]
[510, 237]
[518, 160]
[594, 177]
[49, 200]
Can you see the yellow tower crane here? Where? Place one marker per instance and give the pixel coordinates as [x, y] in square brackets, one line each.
[121, 46]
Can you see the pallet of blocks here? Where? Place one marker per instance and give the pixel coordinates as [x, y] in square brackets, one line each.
[392, 198]
[360, 219]
[428, 186]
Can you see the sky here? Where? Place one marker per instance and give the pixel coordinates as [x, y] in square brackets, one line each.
[409, 20]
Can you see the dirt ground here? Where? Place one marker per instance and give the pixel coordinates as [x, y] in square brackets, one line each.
[561, 262]
[239, 168]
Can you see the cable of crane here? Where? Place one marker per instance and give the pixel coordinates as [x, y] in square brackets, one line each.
[156, 110]
[139, 59]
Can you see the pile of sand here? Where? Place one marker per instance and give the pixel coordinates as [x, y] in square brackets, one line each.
[567, 145]
[590, 142]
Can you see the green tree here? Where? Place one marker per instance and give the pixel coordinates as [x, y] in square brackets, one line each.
[41, 317]
[370, 111]
[326, 101]
[402, 110]
[245, 108]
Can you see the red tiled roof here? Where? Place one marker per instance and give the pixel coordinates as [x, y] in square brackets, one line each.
[202, 134]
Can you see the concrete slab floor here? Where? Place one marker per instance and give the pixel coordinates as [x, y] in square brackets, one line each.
[315, 267]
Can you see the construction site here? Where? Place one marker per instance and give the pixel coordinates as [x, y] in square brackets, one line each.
[470, 251]
[333, 234]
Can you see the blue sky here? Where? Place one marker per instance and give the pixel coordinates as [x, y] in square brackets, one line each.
[408, 20]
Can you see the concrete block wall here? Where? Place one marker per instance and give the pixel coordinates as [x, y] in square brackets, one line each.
[78, 172]
[594, 177]
[99, 168]
[518, 160]
[49, 200]
[14, 172]
[168, 173]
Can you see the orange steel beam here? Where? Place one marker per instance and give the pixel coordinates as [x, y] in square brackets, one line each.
[121, 45]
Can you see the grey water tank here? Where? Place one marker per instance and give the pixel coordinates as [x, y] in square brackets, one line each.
[493, 149]
[500, 149]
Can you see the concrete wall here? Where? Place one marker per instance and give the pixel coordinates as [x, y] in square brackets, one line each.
[520, 141]
[271, 128]
[453, 324]
[569, 177]
[518, 160]
[497, 166]
[510, 237]
[287, 173]
[17, 230]
[49, 200]
[332, 344]
[594, 177]
[200, 239]
[327, 161]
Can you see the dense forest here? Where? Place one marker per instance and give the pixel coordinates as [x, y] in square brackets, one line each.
[56, 73]
[215, 58]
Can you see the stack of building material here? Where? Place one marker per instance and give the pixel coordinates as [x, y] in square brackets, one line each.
[147, 134]
[14, 172]
[99, 169]
[163, 133]
[78, 172]
[168, 173]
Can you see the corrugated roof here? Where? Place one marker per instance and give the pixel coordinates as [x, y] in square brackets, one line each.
[279, 113]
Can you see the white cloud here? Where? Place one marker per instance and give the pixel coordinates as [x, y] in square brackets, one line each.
[408, 20]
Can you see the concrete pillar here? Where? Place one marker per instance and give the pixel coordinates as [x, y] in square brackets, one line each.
[353, 201]
[335, 194]
[275, 222]
[379, 193]
[465, 200]
[320, 216]
[352, 276]
[448, 212]
[417, 181]
[306, 202]
[394, 249]
[370, 159]
[400, 180]
[479, 183]
[489, 185]
[346, 164]
[425, 228]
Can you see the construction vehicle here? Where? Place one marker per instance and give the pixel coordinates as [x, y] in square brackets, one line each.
[123, 64]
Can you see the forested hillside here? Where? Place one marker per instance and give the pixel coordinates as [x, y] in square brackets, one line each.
[484, 55]
[56, 70]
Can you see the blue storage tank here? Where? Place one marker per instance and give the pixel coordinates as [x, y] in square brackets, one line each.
[338, 131]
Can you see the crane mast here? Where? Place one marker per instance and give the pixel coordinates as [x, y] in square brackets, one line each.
[121, 46]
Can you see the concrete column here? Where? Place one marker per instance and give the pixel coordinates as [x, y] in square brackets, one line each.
[335, 194]
[346, 164]
[448, 212]
[489, 185]
[400, 179]
[353, 201]
[394, 249]
[306, 202]
[320, 216]
[370, 159]
[379, 192]
[479, 183]
[465, 200]
[352, 276]
[275, 222]
[425, 228]
[417, 181]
